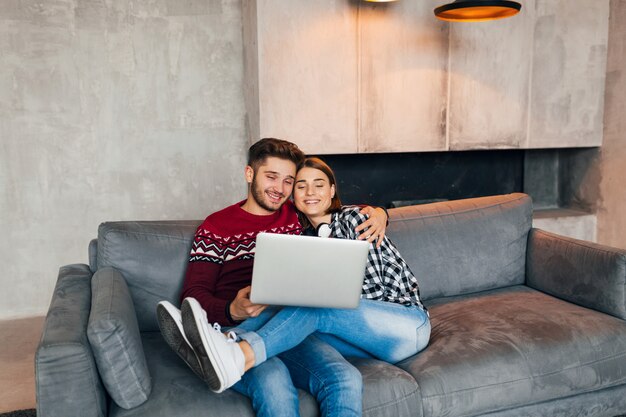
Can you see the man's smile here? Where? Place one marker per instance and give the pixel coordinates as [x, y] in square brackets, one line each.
[275, 197]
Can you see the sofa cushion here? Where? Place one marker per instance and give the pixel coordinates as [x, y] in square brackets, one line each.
[152, 257]
[114, 337]
[464, 246]
[511, 347]
[388, 390]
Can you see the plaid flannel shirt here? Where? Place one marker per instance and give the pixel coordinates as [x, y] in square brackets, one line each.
[387, 275]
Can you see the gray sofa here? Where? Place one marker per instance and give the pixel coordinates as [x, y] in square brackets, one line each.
[525, 322]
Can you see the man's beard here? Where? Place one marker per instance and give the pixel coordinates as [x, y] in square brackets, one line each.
[258, 195]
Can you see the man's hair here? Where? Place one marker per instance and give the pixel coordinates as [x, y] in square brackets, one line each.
[266, 147]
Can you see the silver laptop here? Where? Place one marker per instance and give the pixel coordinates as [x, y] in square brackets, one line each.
[308, 271]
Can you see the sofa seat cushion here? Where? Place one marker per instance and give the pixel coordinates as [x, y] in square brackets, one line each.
[177, 391]
[388, 391]
[510, 347]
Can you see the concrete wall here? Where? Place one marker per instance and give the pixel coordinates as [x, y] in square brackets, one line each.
[610, 163]
[111, 110]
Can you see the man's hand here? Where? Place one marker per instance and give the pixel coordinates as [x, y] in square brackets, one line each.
[374, 227]
[242, 308]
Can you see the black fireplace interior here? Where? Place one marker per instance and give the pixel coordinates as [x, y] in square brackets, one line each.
[397, 179]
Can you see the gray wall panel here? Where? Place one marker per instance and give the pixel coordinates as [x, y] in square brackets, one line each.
[569, 72]
[403, 77]
[307, 62]
[490, 65]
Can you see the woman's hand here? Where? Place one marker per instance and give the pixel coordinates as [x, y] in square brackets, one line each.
[374, 227]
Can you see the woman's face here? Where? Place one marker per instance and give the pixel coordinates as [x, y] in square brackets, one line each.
[313, 192]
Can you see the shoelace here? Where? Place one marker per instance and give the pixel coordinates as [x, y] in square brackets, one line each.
[231, 336]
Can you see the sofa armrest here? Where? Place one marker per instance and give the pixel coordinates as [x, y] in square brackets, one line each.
[67, 380]
[584, 273]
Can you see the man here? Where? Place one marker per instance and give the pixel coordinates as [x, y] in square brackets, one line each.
[219, 275]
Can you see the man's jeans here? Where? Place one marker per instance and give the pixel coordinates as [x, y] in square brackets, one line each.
[386, 331]
[313, 366]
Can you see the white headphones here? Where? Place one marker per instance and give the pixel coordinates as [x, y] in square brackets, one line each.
[323, 230]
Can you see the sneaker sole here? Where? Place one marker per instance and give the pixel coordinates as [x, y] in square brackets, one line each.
[192, 323]
[173, 334]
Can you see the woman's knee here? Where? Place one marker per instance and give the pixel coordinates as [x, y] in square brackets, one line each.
[423, 335]
[410, 342]
[413, 347]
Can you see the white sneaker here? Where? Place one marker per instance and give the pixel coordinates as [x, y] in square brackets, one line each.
[221, 358]
[171, 326]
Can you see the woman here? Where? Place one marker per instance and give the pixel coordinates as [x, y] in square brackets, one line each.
[390, 323]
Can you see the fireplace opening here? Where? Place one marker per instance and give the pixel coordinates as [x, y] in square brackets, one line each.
[552, 177]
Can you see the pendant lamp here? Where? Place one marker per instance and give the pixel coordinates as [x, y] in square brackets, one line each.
[477, 10]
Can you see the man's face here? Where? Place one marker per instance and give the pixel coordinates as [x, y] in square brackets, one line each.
[272, 183]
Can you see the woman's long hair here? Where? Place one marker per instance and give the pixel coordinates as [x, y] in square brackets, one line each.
[335, 202]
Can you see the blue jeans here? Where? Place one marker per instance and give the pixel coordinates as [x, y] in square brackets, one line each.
[386, 331]
[270, 390]
[313, 366]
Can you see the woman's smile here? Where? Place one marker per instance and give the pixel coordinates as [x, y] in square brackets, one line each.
[311, 202]
[313, 194]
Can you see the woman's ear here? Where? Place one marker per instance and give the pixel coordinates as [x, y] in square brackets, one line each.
[249, 173]
[332, 191]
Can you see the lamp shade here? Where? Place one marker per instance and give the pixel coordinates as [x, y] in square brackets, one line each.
[477, 10]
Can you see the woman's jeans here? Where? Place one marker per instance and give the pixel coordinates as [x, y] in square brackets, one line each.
[379, 329]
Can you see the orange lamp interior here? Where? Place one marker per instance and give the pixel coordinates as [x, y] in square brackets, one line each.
[477, 13]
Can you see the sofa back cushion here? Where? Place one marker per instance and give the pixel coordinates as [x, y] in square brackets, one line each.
[464, 246]
[152, 257]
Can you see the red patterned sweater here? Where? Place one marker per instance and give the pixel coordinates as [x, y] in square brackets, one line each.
[220, 263]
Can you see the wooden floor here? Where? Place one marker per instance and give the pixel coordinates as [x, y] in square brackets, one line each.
[18, 341]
